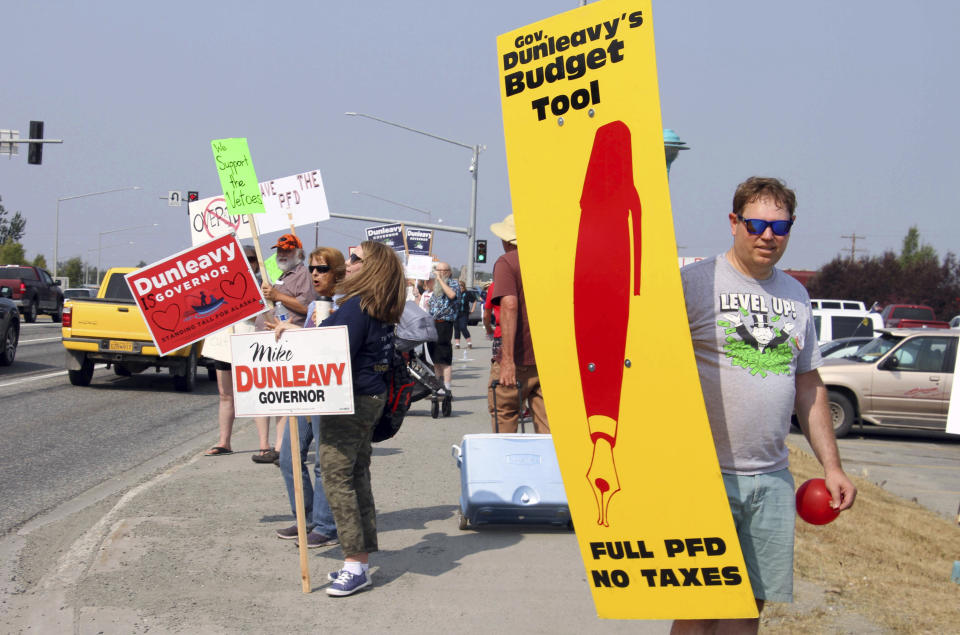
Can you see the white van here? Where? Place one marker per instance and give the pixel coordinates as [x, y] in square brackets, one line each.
[834, 323]
[854, 305]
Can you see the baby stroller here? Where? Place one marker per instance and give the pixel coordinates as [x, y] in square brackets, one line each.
[415, 328]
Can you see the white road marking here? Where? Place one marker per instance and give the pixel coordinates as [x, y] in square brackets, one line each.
[40, 341]
[58, 373]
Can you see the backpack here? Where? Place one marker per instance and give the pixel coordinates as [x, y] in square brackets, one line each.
[400, 387]
[466, 298]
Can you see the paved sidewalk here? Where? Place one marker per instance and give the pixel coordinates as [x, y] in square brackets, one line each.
[193, 550]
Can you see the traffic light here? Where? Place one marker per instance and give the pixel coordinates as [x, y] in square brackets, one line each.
[35, 150]
[481, 253]
[193, 196]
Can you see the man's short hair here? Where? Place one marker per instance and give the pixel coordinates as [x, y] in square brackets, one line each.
[760, 187]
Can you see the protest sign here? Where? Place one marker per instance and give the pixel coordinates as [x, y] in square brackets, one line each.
[307, 372]
[389, 235]
[237, 176]
[953, 406]
[419, 241]
[418, 267]
[195, 293]
[292, 200]
[584, 146]
[209, 218]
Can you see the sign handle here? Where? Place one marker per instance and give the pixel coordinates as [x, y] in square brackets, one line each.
[298, 499]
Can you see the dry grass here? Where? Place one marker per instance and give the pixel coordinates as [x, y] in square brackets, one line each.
[883, 566]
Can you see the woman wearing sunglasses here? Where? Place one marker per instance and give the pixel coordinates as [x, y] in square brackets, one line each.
[327, 268]
[372, 298]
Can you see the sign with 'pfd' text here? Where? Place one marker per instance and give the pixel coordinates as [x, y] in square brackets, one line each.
[195, 293]
[584, 142]
[306, 372]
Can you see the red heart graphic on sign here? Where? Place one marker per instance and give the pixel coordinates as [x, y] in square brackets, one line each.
[235, 288]
[168, 318]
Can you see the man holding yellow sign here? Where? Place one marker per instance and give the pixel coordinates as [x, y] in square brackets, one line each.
[757, 357]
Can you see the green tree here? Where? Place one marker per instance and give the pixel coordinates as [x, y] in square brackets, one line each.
[39, 261]
[11, 253]
[912, 252]
[72, 269]
[13, 228]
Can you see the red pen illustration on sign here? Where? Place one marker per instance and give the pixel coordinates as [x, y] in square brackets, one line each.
[609, 210]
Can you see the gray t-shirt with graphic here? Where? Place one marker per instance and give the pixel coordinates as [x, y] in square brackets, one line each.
[751, 338]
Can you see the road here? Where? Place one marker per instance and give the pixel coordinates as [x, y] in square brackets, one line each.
[61, 440]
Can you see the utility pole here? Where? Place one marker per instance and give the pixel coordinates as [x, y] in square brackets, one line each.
[853, 245]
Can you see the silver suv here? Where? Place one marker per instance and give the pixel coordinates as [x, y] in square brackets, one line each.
[900, 379]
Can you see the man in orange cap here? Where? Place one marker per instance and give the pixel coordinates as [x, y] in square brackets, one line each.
[291, 294]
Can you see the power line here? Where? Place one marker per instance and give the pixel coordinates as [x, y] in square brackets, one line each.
[853, 245]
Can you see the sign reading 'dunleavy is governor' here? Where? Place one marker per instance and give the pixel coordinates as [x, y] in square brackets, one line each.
[584, 141]
[196, 292]
[307, 372]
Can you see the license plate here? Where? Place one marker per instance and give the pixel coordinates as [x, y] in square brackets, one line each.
[116, 345]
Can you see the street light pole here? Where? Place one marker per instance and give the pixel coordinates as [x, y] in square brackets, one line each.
[474, 169]
[387, 200]
[56, 240]
[114, 231]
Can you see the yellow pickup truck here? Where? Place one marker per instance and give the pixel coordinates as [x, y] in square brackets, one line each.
[110, 329]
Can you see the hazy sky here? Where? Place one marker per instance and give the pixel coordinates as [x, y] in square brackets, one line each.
[852, 103]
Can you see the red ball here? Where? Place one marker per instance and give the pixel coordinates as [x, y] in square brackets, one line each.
[813, 502]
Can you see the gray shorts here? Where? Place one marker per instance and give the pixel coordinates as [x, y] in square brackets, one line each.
[764, 509]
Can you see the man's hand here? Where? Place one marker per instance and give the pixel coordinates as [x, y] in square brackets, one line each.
[268, 291]
[508, 373]
[841, 488]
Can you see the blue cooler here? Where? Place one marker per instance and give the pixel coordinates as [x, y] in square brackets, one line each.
[510, 478]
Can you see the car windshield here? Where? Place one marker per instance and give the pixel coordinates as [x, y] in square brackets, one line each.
[876, 348]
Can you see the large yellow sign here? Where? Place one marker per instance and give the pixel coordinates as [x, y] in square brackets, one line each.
[588, 180]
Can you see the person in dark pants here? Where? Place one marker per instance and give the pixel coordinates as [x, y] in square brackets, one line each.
[443, 308]
[465, 306]
[370, 304]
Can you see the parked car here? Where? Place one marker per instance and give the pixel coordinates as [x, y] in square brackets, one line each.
[33, 291]
[911, 316]
[902, 378]
[9, 327]
[843, 347]
[955, 322]
[79, 292]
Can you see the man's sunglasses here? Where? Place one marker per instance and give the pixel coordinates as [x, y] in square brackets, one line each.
[354, 258]
[755, 226]
[319, 268]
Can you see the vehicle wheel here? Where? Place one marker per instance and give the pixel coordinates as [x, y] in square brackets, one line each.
[447, 406]
[841, 411]
[188, 381]
[83, 376]
[57, 315]
[30, 314]
[122, 370]
[434, 409]
[464, 522]
[8, 347]
[212, 372]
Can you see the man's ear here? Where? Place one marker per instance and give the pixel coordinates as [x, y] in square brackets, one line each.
[733, 223]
